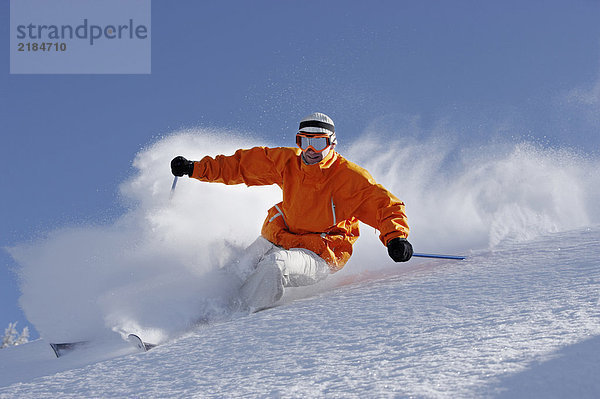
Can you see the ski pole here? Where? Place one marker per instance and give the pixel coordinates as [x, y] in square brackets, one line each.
[436, 256]
[173, 187]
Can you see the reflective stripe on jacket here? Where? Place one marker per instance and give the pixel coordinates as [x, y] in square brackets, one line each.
[322, 203]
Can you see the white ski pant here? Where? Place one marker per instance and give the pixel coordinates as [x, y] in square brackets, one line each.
[265, 269]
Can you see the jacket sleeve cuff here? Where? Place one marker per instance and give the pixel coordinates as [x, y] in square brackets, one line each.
[196, 174]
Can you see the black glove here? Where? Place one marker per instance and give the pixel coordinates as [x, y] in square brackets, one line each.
[400, 249]
[181, 166]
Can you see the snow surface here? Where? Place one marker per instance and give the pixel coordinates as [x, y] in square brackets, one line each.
[519, 318]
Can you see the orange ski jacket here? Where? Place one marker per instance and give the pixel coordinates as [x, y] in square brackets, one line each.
[322, 203]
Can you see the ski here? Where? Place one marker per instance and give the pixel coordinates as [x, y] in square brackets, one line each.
[66, 347]
[61, 349]
[139, 344]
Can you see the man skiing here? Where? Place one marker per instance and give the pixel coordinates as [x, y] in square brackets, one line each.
[310, 234]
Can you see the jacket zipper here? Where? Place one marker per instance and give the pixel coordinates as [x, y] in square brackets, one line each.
[333, 212]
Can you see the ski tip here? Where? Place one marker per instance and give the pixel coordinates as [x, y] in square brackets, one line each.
[136, 341]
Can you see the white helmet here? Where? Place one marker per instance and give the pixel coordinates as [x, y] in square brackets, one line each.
[318, 123]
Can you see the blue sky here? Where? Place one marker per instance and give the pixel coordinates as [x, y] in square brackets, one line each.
[513, 68]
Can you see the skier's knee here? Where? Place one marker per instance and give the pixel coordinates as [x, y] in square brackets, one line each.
[264, 287]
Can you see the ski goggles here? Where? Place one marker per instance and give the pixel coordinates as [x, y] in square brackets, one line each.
[318, 143]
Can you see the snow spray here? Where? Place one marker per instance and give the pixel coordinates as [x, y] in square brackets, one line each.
[147, 271]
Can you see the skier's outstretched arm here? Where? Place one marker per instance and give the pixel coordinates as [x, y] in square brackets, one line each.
[255, 166]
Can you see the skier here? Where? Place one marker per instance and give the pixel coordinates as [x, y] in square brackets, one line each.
[310, 234]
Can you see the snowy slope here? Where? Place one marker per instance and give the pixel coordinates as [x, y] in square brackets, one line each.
[520, 321]
[518, 318]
